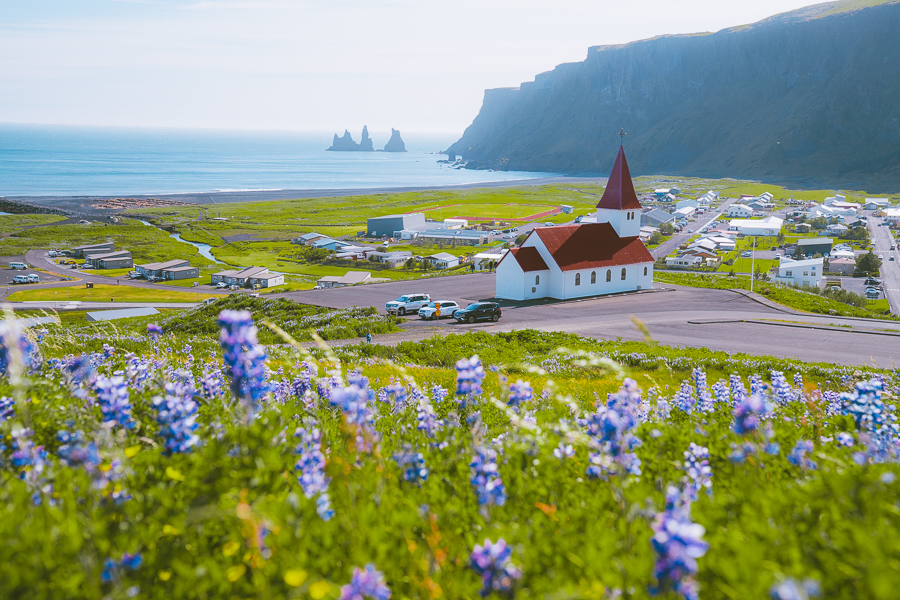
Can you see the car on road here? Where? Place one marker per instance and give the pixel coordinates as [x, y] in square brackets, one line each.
[18, 266]
[68, 261]
[33, 278]
[477, 311]
[746, 254]
[21, 279]
[872, 281]
[893, 247]
[438, 309]
[408, 303]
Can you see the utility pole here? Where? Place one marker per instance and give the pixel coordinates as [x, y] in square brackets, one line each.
[752, 261]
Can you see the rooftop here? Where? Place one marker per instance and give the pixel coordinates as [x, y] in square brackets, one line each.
[619, 192]
[592, 245]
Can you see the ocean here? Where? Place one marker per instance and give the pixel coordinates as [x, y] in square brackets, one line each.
[50, 160]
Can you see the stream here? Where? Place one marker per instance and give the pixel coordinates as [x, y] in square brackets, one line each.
[203, 249]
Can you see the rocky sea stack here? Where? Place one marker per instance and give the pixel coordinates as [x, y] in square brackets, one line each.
[345, 143]
[395, 144]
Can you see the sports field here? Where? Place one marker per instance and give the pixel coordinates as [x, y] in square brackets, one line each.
[491, 212]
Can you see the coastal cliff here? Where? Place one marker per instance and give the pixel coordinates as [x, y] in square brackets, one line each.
[345, 143]
[395, 144]
[805, 97]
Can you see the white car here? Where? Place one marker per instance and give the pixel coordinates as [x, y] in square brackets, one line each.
[221, 285]
[21, 279]
[438, 309]
[410, 303]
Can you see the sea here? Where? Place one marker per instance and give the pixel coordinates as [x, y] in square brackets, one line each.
[52, 160]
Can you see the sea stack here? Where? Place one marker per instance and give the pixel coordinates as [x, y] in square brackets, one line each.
[395, 144]
[345, 143]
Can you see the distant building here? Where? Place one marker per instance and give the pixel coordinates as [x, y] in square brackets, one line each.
[329, 244]
[844, 266]
[655, 217]
[892, 215]
[172, 269]
[250, 277]
[800, 272]
[102, 248]
[351, 278]
[461, 237]
[760, 227]
[443, 260]
[388, 224]
[124, 313]
[687, 261]
[741, 211]
[120, 259]
[393, 259]
[483, 260]
[876, 203]
[456, 223]
[308, 238]
[812, 246]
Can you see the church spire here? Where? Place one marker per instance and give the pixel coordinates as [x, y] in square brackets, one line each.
[619, 193]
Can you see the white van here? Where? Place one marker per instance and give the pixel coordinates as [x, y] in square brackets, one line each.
[18, 266]
[33, 278]
[21, 279]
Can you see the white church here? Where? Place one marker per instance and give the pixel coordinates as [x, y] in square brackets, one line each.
[590, 259]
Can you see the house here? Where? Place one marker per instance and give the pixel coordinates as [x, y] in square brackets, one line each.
[183, 272]
[800, 272]
[351, 278]
[892, 215]
[82, 251]
[741, 211]
[876, 203]
[485, 260]
[685, 203]
[656, 217]
[443, 260]
[308, 238]
[726, 244]
[685, 212]
[392, 259]
[456, 223]
[837, 230]
[266, 280]
[844, 266]
[121, 259]
[386, 225]
[686, 261]
[812, 246]
[249, 277]
[802, 227]
[566, 208]
[588, 259]
[646, 232]
[460, 237]
[329, 244]
[770, 226]
[836, 198]
[156, 269]
[766, 197]
[704, 244]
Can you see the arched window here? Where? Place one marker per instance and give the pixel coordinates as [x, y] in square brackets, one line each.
[537, 279]
[645, 271]
[577, 278]
[623, 273]
[593, 276]
[608, 275]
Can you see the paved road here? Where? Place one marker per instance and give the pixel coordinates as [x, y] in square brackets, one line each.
[676, 316]
[683, 235]
[890, 270]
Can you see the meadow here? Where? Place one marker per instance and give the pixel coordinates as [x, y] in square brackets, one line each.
[154, 461]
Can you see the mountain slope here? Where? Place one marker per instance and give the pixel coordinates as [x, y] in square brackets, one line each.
[809, 96]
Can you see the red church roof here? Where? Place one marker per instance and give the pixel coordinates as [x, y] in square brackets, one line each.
[619, 193]
[529, 259]
[591, 246]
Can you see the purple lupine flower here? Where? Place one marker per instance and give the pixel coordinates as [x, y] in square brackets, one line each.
[748, 413]
[413, 465]
[704, 400]
[736, 386]
[356, 404]
[791, 589]
[781, 389]
[519, 393]
[876, 422]
[489, 487]
[426, 419]
[302, 384]
[17, 353]
[396, 394]
[610, 431]
[678, 543]
[311, 465]
[756, 384]
[492, 561]
[113, 569]
[7, 408]
[798, 380]
[244, 358]
[721, 392]
[798, 455]
[845, 439]
[368, 583]
[564, 451]
[211, 383]
[112, 398]
[697, 469]
[438, 393]
[154, 330]
[31, 461]
[684, 398]
[176, 414]
[469, 375]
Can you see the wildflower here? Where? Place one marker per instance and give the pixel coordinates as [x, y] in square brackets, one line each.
[154, 330]
[519, 392]
[845, 439]
[311, 465]
[355, 402]
[876, 421]
[426, 419]
[610, 431]
[684, 398]
[704, 400]
[413, 465]
[7, 408]
[438, 393]
[17, 353]
[113, 569]
[396, 393]
[798, 455]
[748, 412]
[721, 392]
[32, 462]
[112, 397]
[177, 417]
[469, 375]
[368, 583]
[678, 543]
[492, 562]
[244, 358]
[699, 473]
[781, 389]
[791, 589]
[211, 382]
[486, 478]
[564, 451]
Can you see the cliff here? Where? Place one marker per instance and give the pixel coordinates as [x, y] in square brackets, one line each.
[345, 143]
[395, 144]
[807, 97]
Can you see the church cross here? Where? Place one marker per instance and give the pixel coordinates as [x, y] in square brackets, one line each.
[622, 135]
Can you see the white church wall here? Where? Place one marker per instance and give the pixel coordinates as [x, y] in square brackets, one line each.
[510, 282]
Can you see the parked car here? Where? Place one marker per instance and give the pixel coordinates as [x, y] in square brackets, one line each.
[21, 279]
[209, 301]
[478, 310]
[18, 266]
[221, 285]
[746, 254]
[410, 303]
[33, 278]
[68, 261]
[438, 309]
[872, 281]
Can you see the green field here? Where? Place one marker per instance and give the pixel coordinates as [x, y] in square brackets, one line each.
[106, 293]
[487, 212]
[12, 223]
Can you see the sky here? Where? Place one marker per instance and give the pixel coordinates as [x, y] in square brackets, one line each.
[310, 65]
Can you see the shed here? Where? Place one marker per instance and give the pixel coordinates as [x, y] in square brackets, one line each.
[386, 225]
[443, 260]
[121, 313]
[81, 251]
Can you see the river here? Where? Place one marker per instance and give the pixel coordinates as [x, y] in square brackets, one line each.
[203, 249]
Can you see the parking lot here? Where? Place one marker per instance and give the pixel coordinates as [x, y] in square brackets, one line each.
[7, 274]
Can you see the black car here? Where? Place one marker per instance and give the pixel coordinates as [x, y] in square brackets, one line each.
[478, 310]
[872, 281]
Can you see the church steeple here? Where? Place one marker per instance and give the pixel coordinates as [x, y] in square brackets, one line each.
[619, 205]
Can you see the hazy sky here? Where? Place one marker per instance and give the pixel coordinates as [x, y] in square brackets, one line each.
[320, 65]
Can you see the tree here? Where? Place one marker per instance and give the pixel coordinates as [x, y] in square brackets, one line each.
[667, 229]
[867, 264]
[520, 239]
[655, 238]
[819, 223]
[779, 239]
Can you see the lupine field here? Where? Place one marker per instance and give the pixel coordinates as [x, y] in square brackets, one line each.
[147, 463]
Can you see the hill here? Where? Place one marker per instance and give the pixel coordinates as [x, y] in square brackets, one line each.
[806, 97]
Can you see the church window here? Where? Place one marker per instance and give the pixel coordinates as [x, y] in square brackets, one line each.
[623, 273]
[577, 278]
[593, 276]
[537, 280]
[608, 275]
[645, 271]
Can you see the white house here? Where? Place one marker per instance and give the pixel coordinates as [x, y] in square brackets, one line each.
[686, 203]
[488, 257]
[800, 272]
[876, 203]
[443, 260]
[685, 212]
[741, 211]
[588, 259]
[687, 261]
[770, 226]
[351, 278]
[892, 215]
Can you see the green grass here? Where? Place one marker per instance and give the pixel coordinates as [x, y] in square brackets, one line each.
[106, 272]
[11, 223]
[106, 293]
